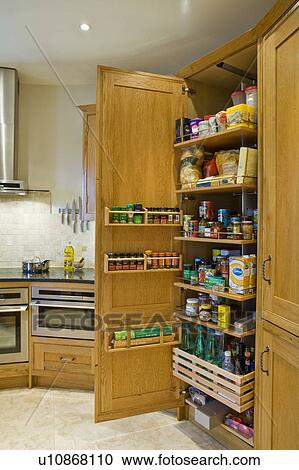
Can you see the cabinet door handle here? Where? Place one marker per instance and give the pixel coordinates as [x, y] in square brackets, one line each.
[67, 359]
[267, 260]
[266, 350]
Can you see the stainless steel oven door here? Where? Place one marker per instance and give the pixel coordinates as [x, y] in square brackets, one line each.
[59, 294]
[63, 319]
[13, 334]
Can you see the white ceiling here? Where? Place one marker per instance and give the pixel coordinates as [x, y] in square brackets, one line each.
[152, 35]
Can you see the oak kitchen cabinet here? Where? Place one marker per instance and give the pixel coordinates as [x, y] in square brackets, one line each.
[136, 162]
[89, 160]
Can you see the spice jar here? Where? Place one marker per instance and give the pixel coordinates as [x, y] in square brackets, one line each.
[150, 216]
[126, 262]
[149, 254]
[140, 262]
[168, 264]
[111, 262]
[175, 262]
[133, 262]
[131, 213]
[205, 312]
[115, 215]
[118, 261]
[137, 218]
[161, 260]
[247, 229]
[177, 216]
[156, 218]
[155, 261]
[164, 216]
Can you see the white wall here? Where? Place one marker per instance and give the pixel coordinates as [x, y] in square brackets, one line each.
[50, 157]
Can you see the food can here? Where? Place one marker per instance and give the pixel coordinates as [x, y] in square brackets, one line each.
[223, 216]
[206, 210]
[193, 228]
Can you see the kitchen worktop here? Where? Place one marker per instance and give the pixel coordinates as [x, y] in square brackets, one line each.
[54, 275]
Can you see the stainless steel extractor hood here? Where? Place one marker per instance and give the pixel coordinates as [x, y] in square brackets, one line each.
[9, 100]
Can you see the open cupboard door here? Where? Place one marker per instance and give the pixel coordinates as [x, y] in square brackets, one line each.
[136, 113]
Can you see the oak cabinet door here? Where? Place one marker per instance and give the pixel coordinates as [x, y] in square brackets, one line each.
[277, 389]
[136, 115]
[280, 220]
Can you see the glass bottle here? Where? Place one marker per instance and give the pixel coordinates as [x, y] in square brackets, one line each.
[211, 353]
[219, 339]
[237, 357]
[187, 339]
[252, 359]
[200, 343]
[227, 363]
[247, 361]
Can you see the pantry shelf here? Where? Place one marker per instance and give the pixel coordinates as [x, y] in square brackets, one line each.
[235, 391]
[226, 295]
[248, 441]
[221, 241]
[225, 188]
[229, 331]
[221, 140]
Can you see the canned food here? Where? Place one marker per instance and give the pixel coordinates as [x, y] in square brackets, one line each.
[207, 210]
[223, 216]
[193, 228]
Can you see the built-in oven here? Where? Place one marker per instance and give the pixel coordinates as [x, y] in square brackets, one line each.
[63, 313]
[13, 325]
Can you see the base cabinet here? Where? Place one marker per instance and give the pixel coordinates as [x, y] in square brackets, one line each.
[276, 395]
[63, 363]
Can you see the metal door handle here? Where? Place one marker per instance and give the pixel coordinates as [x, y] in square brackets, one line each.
[65, 359]
[264, 269]
[266, 350]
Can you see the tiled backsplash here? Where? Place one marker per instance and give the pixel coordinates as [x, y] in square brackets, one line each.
[28, 229]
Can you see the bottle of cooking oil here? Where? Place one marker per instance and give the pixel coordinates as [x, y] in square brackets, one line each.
[69, 258]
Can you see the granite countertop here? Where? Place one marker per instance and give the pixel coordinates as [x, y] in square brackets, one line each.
[54, 275]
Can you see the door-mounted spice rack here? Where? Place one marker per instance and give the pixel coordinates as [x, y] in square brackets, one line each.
[140, 336]
[142, 218]
[235, 391]
[142, 264]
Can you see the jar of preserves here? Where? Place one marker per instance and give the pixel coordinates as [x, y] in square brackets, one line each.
[205, 312]
[236, 225]
[192, 307]
[247, 229]
[204, 299]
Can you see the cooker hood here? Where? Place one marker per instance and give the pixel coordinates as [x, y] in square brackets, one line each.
[9, 100]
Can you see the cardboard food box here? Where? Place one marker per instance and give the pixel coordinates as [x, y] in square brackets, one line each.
[247, 167]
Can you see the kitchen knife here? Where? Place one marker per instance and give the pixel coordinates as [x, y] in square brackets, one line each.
[67, 215]
[81, 214]
[74, 215]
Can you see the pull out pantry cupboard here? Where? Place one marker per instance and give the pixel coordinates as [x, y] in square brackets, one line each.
[137, 162]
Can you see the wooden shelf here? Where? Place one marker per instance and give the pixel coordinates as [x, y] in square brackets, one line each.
[144, 213]
[225, 295]
[220, 241]
[225, 188]
[145, 269]
[229, 331]
[248, 441]
[235, 391]
[231, 138]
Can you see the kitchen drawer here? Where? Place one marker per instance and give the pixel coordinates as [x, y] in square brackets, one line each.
[62, 358]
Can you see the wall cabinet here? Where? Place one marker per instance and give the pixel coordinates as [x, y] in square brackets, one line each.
[89, 160]
[277, 390]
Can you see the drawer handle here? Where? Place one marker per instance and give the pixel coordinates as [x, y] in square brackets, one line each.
[266, 350]
[267, 260]
[67, 359]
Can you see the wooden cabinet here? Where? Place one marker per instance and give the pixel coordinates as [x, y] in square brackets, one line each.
[64, 362]
[276, 397]
[280, 181]
[89, 161]
[136, 131]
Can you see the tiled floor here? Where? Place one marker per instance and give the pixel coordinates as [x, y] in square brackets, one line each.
[63, 419]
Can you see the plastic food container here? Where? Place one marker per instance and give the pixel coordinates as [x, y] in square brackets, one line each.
[238, 97]
[241, 115]
[192, 307]
[251, 95]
